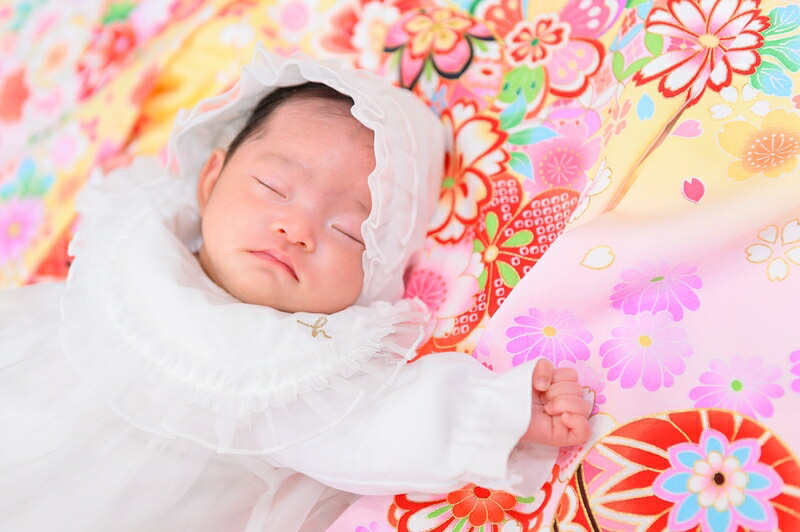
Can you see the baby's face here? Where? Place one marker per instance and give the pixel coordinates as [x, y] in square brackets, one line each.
[281, 222]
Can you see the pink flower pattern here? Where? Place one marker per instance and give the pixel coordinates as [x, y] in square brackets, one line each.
[439, 35]
[655, 287]
[554, 334]
[19, 221]
[741, 385]
[446, 280]
[718, 38]
[646, 347]
[562, 161]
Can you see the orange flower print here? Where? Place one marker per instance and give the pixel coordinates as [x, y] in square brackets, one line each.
[480, 505]
[469, 509]
[769, 150]
[13, 95]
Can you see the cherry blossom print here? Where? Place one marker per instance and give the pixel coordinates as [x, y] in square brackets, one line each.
[658, 286]
[770, 149]
[534, 42]
[745, 385]
[717, 38]
[553, 334]
[719, 485]
[740, 104]
[649, 348]
[778, 249]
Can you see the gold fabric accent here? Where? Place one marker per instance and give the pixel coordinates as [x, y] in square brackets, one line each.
[317, 327]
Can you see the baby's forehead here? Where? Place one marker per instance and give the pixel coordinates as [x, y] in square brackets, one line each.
[318, 107]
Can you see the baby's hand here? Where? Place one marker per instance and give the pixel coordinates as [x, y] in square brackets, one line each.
[559, 413]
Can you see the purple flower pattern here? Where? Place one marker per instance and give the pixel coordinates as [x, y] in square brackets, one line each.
[646, 347]
[742, 385]
[554, 334]
[656, 287]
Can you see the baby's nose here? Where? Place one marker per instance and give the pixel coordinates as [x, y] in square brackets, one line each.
[297, 232]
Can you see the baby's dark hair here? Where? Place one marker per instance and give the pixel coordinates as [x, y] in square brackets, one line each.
[272, 101]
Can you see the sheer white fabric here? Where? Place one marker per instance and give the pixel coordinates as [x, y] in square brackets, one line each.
[175, 354]
[141, 396]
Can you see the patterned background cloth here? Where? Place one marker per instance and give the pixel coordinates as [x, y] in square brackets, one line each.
[663, 136]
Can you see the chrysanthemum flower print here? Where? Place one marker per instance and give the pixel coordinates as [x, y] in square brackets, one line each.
[744, 385]
[654, 287]
[770, 149]
[554, 334]
[777, 248]
[718, 38]
[647, 348]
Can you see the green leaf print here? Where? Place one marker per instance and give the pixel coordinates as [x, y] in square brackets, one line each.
[787, 51]
[509, 274]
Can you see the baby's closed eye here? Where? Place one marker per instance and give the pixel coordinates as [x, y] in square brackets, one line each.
[349, 232]
[270, 187]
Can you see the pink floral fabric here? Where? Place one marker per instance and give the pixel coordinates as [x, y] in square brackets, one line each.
[620, 197]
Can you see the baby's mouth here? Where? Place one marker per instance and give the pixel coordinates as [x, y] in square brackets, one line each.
[274, 256]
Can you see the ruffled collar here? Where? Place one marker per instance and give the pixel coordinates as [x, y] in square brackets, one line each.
[175, 354]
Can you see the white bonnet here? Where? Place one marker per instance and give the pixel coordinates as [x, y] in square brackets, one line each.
[409, 151]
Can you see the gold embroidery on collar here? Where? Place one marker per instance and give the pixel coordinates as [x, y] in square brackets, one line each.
[317, 327]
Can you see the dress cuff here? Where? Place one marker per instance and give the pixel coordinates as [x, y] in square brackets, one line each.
[491, 433]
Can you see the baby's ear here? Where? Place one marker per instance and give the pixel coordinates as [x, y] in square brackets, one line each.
[208, 177]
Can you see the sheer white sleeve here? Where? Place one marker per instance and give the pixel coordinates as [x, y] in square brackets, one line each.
[447, 421]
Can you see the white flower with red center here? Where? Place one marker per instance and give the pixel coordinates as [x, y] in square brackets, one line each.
[718, 38]
[477, 154]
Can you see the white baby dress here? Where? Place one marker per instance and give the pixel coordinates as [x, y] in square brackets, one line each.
[139, 395]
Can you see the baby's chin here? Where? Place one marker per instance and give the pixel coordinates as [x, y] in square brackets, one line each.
[289, 303]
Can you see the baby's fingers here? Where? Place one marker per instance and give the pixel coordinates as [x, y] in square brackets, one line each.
[542, 375]
[578, 429]
[563, 388]
[565, 374]
[570, 404]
